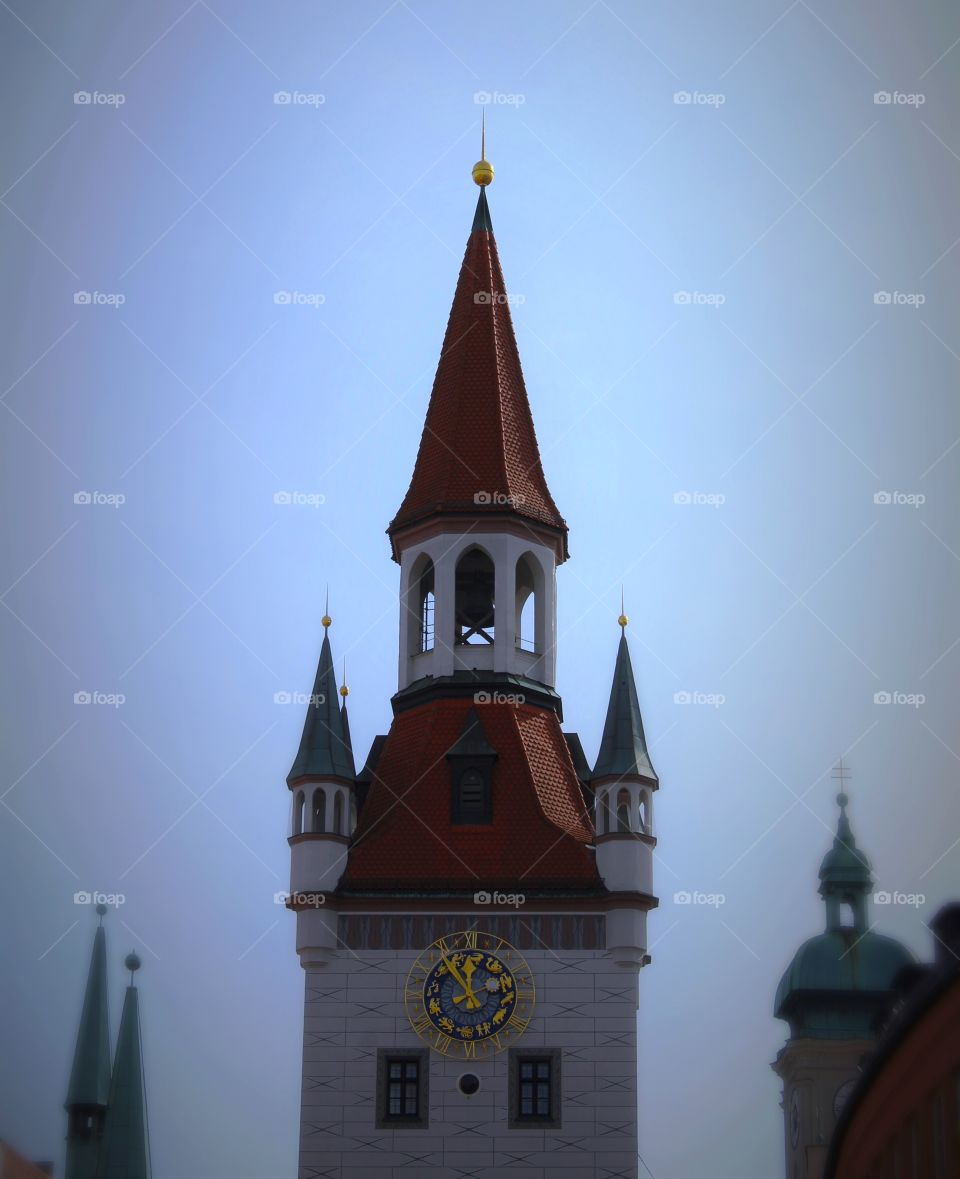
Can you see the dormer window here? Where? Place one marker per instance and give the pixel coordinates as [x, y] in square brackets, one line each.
[472, 796]
[471, 762]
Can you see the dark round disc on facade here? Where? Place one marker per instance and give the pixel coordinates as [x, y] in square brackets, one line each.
[469, 1084]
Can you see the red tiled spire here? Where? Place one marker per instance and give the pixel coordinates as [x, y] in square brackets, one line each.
[478, 454]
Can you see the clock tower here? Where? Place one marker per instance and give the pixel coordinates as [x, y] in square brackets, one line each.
[471, 905]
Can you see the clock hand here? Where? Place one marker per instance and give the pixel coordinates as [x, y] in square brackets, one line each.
[472, 1001]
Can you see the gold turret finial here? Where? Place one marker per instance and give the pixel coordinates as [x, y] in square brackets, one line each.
[483, 169]
[326, 620]
[344, 690]
[623, 619]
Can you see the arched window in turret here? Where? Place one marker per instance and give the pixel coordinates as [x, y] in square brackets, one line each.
[526, 607]
[298, 813]
[644, 814]
[474, 606]
[427, 607]
[319, 810]
[623, 811]
[603, 813]
[338, 813]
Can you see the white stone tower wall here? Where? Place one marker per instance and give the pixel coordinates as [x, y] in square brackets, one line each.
[586, 1007]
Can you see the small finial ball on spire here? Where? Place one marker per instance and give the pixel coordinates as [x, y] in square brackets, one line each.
[623, 620]
[483, 173]
[344, 691]
[132, 962]
[326, 621]
[101, 910]
[842, 800]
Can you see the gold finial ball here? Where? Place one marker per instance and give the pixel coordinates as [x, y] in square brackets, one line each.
[623, 620]
[344, 691]
[482, 173]
[325, 621]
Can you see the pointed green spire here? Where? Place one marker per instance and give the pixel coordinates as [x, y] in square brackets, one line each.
[90, 1076]
[89, 1088]
[481, 219]
[125, 1150]
[324, 750]
[623, 747]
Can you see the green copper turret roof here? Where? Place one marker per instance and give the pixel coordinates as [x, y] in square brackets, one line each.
[844, 868]
[125, 1150]
[623, 747]
[90, 1075]
[481, 218]
[347, 739]
[324, 747]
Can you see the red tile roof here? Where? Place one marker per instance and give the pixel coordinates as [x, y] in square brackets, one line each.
[478, 452]
[540, 825]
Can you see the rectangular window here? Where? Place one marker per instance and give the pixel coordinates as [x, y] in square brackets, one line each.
[402, 1089]
[403, 1097]
[534, 1088]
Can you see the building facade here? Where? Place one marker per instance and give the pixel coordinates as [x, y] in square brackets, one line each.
[832, 996]
[471, 904]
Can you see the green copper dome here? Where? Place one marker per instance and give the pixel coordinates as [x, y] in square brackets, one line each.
[837, 981]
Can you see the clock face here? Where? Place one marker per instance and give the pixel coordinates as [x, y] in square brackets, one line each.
[470, 994]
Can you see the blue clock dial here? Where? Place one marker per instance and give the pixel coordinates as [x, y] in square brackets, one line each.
[470, 993]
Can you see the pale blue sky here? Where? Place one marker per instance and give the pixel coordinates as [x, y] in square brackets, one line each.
[796, 199]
